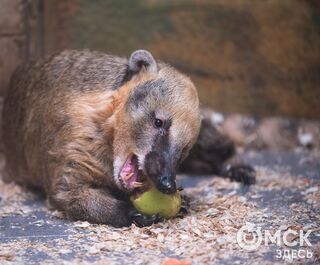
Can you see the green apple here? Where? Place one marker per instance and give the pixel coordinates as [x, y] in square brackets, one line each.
[153, 202]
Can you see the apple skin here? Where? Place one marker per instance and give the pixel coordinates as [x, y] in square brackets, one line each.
[155, 202]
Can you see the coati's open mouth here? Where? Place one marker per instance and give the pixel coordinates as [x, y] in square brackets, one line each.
[131, 176]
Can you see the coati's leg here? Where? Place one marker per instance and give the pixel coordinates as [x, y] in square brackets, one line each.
[239, 172]
[212, 154]
[97, 205]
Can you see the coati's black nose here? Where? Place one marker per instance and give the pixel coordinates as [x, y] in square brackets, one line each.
[160, 168]
[167, 184]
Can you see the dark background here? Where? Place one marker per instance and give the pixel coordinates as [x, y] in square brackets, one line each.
[253, 57]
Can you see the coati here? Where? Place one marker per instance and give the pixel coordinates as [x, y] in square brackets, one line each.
[88, 128]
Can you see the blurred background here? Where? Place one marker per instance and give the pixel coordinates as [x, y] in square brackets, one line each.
[253, 57]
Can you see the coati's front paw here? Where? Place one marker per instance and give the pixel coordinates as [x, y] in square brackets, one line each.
[143, 220]
[242, 173]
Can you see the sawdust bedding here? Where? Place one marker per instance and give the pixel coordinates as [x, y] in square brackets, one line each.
[204, 235]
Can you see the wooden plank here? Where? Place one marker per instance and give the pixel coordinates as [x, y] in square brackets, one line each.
[11, 55]
[20, 38]
[11, 18]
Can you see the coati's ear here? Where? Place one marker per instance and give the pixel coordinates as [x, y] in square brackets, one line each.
[141, 58]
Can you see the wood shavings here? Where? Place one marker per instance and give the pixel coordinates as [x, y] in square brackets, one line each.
[7, 256]
[217, 208]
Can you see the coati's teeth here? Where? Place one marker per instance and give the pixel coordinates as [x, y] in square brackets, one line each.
[137, 184]
[139, 162]
[127, 176]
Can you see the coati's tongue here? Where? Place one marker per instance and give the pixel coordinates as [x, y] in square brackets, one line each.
[130, 173]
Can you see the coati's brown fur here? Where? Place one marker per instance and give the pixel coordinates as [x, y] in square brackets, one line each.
[75, 124]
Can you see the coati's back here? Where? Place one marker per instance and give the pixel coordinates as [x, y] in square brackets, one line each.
[38, 94]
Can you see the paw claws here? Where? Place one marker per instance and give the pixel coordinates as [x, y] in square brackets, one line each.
[141, 220]
[242, 173]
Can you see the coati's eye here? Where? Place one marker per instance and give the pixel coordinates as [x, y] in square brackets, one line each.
[158, 123]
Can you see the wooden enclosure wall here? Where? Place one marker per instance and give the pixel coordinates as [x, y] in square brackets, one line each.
[256, 57]
[29, 29]
[13, 48]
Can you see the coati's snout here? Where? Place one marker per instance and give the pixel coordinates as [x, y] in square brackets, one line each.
[162, 123]
[161, 170]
